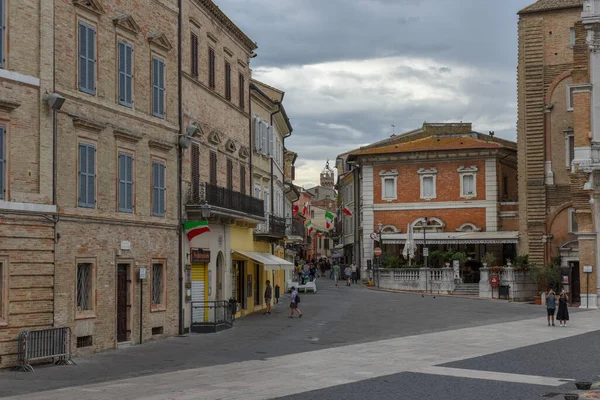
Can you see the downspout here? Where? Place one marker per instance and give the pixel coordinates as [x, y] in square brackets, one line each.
[180, 168]
[54, 155]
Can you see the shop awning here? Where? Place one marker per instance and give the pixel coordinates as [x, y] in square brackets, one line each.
[502, 237]
[269, 261]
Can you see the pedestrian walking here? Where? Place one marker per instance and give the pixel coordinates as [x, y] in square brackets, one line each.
[563, 311]
[268, 297]
[354, 276]
[294, 300]
[336, 273]
[348, 274]
[551, 305]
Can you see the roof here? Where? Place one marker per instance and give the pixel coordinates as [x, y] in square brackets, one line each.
[439, 142]
[224, 19]
[551, 5]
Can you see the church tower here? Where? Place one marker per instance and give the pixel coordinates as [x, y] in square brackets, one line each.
[327, 177]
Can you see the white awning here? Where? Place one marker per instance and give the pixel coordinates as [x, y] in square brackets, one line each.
[269, 261]
[502, 237]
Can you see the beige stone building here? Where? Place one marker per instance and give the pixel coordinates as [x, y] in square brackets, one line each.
[558, 135]
[116, 66]
[27, 209]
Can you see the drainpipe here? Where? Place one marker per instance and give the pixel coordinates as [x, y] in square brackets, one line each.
[180, 170]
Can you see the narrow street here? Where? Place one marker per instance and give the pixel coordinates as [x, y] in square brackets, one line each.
[352, 343]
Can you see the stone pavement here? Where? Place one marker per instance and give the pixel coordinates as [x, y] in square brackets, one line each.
[351, 343]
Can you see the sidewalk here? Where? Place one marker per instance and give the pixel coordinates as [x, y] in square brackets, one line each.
[456, 296]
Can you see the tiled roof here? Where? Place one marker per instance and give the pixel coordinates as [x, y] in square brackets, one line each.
[436, 142]
[549, 5]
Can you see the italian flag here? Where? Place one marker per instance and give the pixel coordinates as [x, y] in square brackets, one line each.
[305, 209]
[195, 228]
[309, 227]
[347, 211]
[295, 210]
[320, 235]
[329, 220]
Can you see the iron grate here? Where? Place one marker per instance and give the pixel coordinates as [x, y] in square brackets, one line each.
[84, 341]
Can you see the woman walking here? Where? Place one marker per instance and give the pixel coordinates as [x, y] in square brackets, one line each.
[563, 311]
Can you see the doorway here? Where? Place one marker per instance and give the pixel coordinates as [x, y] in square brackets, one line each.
[575, 282]
[220, 275]
[123, 304]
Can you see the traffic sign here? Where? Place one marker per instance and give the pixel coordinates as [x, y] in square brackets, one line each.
[374, 236]
[426, 252]
[377, 251]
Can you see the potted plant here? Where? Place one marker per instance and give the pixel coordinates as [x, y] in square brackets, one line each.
[434, 258]
[522, 262]
[488, 259]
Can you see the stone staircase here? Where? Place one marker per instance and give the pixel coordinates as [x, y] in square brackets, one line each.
[467, 289]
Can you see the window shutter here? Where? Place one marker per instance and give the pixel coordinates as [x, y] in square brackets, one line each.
[82, 175]
[271, 140]
[242, 90]
[230, 174]
[163, 189]
[195, 173]
[211, 68]
[227, 81]
[129, 163]
[161, 88]
[257, 134]
[128, 75]
[265, 140]
[82, 72]
[155, 192]
[122, 186]
[213, 168]
[2, 163]
[194, 55]
[91, 60]
[242, 179]
[91, 176]
[2, 36]
[155, 86]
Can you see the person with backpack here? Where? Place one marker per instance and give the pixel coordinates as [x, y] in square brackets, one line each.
[295, 299]
[268, 296]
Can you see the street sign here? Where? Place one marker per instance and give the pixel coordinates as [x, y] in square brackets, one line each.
[374, 236]
[377, 251]
[587, 268]
[494, 280]
[426, 252]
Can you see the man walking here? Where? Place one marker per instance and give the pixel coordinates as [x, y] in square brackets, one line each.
[348, 274]
[336, 273]
[294, 300]
[551, 306]
[268, 296]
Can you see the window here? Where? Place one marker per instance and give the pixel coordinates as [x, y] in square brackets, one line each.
[125, 183]
[211, 68]
[505, 186]
[389, 183]
[468, 185]
[257, 137]
[2, 162]
[264, 137]
[267, 200]
[312, 214]
[573, 228]
[570, 150]
[428, 187]
[213, 167]
[230, 174]
[2, 37]
[227, 80]
[242, 179]
[158, 189]
[570, 98]
[194, 55]
[3, 289]
[87, 59]
[389, 191]
[87, 175]
[125, 74]
[195, 172]
[271, 137]
[257, 190]
[572, 37]
[326, 244]
[158, 285]
[242, 90]
[158, 87]
[85, 277]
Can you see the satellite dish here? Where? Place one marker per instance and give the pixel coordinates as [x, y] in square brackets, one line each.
[185, 142]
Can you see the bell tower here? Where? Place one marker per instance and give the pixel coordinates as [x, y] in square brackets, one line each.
[327, 177]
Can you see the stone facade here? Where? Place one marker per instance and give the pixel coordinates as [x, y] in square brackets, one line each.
[27, 212]
[557, 138]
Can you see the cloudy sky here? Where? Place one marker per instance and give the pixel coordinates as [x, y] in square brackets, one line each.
[353, 68]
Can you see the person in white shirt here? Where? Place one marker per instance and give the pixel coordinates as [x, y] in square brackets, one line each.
[294, 300]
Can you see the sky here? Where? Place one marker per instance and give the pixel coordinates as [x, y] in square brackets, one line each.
[351, 69]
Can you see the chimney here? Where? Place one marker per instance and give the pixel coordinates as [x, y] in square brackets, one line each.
[492, 133]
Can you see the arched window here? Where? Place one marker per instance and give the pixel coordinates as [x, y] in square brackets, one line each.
[432, 225]
[468, 227]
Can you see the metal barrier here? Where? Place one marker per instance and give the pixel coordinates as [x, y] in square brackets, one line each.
[211, 316]
[44, 344]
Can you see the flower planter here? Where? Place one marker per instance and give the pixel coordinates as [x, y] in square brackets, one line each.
[538, 300]
[583, 385]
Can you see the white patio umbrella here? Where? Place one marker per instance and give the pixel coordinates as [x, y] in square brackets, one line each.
[409, 246]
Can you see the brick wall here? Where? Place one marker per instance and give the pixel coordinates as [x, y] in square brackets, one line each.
[453, 218]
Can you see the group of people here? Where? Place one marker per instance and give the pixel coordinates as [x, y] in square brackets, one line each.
[563, 311]
[350, 274]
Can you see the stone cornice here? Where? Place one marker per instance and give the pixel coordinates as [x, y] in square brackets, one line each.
[126, 22]
[431, 156]
[227, 23]
[126, 135]
[8, 105]
[85, 123]
[89, 5]
[161, 145]
[159, 39]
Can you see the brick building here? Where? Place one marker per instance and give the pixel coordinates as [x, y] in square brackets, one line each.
[457, 185]
[558, 136]
[27, 206]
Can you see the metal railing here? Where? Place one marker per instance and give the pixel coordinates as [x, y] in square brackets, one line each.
[44, 344]
[225, 198]
[211, 316]
[273, 226]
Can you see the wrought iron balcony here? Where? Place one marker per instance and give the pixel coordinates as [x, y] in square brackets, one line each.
[225, 201]
[272, 227]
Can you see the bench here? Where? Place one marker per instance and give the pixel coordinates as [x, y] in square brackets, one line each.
[312, 286]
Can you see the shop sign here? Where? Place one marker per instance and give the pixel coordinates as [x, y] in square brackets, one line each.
[199, 256]
[494, 280]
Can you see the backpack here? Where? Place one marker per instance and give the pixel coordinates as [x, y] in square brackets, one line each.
[297, 298]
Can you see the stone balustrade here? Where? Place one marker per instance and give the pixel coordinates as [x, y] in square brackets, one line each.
[434, 280]
[522, 284]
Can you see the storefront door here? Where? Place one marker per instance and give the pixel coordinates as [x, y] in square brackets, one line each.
[199, 294]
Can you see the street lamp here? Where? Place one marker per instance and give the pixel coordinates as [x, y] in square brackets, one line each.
[425, 250]
[379, 229]
[205, 210]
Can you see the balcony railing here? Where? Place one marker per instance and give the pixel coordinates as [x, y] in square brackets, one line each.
[295, 229]
[217, 196]
[273, 226]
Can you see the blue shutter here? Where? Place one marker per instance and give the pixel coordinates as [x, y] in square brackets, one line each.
[125, 74]
[158, 189]
[87, 176]
[155, 188]
[87, 58]
[2, 38]
[158, 88]
[2, 162]
[129, 182]
[163, 189]
[122, 183]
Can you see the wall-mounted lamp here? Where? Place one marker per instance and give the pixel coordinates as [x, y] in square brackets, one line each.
[54, 100]
[205, 210]
[193, 130]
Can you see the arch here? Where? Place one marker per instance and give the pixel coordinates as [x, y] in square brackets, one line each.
[390, 229]
[555, 213]
[554, 84]
[220, 266]
[468, 227]
[433, 224]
